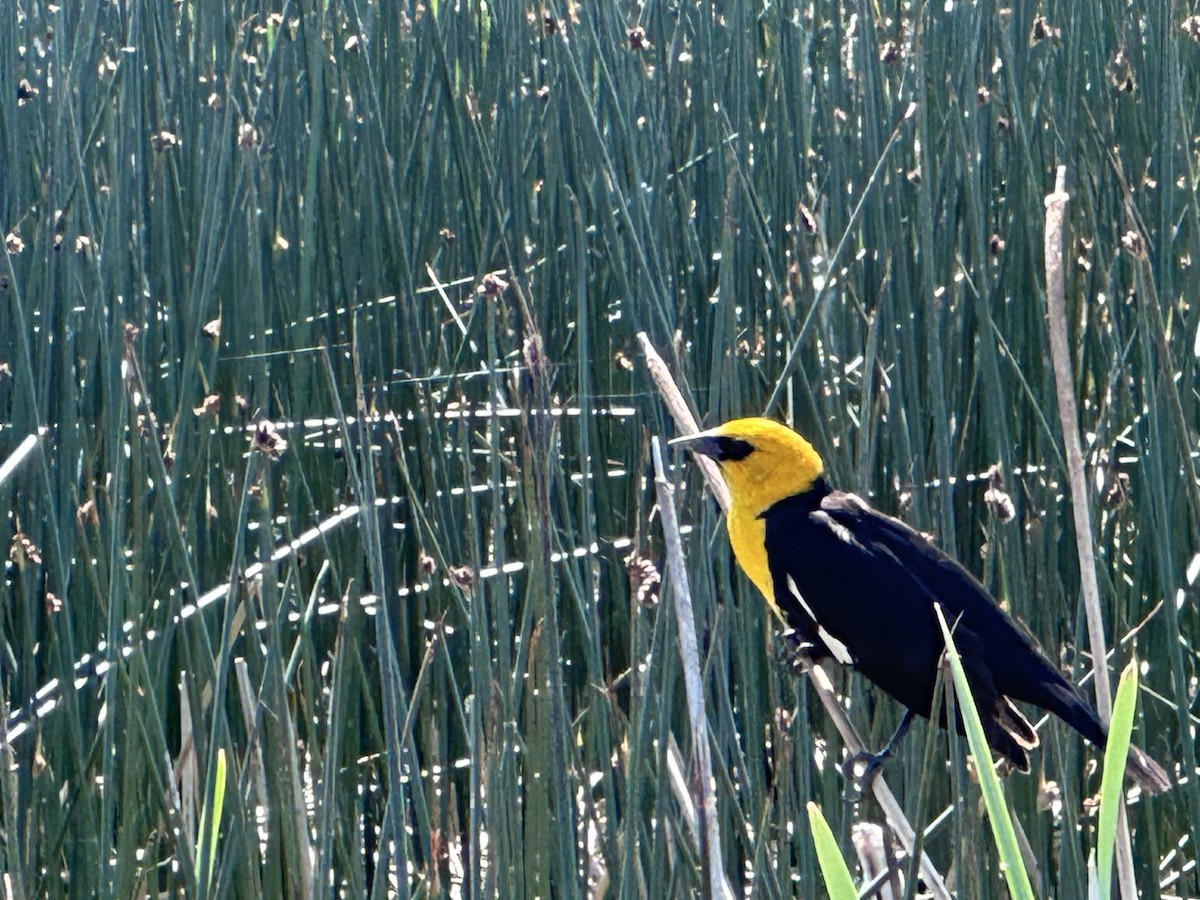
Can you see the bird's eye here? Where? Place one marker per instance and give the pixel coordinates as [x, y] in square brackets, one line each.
[731, 449]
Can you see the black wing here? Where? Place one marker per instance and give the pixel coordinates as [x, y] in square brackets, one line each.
[870, 582]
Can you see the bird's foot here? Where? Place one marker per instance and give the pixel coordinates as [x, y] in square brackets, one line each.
[795, 654]
[863, 768]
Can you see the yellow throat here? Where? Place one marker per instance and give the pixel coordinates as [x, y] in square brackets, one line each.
[763, 462]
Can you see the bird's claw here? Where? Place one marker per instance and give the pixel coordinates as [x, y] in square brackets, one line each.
[794, 653]
[862, 768]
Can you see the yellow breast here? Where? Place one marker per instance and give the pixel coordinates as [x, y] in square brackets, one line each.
[747, 536]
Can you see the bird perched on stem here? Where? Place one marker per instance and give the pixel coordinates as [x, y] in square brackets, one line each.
[861, 586]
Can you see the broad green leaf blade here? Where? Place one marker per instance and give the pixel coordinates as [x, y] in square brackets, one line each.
[993, 795]
[838, 880]
[1112, 785]
[210, 823]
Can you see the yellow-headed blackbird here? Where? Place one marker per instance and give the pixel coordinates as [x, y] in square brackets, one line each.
[860, 586]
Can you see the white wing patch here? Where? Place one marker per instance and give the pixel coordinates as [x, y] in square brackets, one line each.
[837, 528]
[839, 650]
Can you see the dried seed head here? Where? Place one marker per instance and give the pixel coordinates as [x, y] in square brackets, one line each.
[87, 516]
[1117, 494]
[806, 218]
[1042, 31]
[248, 136]
[1133, 244]
[492, 285]
[534, 358]
[164, 140]
[268, 440]
[22, 551]
[644, 580]
[209, 407]
[463, 576]
[1049, 797]
[131, 335]
[1001, 504]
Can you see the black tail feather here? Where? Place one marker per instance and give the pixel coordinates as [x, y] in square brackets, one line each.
[1014, 722]
[1139, 767]
[1062, 700]
[1005, 743]
[1145, 772]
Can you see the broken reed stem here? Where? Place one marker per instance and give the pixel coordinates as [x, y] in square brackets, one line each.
[1064, 382]
[897, 821]
[1060, 355]
[673, 400]
[709, 830]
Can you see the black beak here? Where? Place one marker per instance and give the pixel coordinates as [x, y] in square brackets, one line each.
[720, 447]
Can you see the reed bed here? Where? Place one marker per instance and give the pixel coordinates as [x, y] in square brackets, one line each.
[334, 566]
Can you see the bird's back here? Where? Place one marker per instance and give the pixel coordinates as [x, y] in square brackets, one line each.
[871, 581]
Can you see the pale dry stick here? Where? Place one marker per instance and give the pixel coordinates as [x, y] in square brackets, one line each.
[876, 861]
[897, 821]
[708, 833]
[1060, 355]
[673, 400]
[17, 457]
[887, 801]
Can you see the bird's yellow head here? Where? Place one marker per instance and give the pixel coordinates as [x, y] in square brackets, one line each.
[763, 461]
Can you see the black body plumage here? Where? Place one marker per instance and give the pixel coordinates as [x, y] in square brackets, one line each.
[844, 570]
